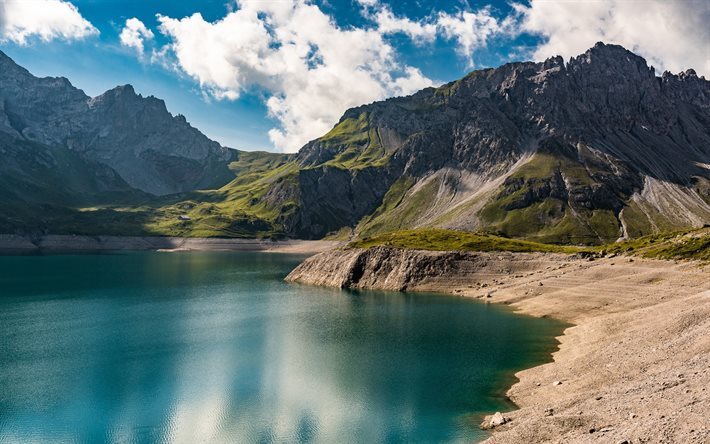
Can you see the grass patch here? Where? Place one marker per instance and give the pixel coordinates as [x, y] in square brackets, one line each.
[447, 240]
[690, 244]
[349, 131]
[384, 219]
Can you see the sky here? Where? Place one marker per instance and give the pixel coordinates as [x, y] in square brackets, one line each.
[272, 75]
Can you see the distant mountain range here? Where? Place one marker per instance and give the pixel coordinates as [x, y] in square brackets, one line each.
[583, 151]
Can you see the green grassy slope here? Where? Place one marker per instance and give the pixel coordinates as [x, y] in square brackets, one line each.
[55, 191]
[691, 244]
[356, 143]
[238, 209]
[444, 240]
[532, 205]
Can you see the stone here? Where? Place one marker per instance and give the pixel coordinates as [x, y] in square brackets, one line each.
[495, 420]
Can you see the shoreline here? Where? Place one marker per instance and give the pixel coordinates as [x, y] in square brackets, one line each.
[631, 367]
[11, 243]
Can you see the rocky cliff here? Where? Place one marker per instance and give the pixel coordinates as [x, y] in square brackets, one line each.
[149, 149]
[395, 269]
[587, 150]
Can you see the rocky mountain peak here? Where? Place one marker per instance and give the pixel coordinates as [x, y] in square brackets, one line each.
[137, 136]
[590, 133]
[8, 66]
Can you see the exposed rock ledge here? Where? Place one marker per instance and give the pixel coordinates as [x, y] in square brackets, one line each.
[634, 368]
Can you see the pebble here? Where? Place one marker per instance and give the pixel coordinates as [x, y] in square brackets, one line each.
[557, 383]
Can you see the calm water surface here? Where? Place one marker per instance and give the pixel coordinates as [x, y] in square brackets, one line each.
[215, 347]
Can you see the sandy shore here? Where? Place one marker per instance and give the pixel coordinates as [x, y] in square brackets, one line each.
[634, 368]
[15, 243]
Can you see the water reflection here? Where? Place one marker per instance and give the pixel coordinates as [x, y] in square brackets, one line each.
[214, 347]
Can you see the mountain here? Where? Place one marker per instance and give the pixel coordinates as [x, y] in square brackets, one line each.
[136, 137]
[585, 151]
[118, 163]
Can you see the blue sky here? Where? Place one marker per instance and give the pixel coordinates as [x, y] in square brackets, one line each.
[272, 75]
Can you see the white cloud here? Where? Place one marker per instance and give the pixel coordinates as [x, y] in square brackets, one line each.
[20, 20]
[672, 35]
[311, 69]
[471, 30]
[134, 35]
[419, 32]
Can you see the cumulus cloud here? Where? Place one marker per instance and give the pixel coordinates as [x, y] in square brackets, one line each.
[471, 30]
[672, 35]
[311, 69]
[419, 32]
[135, 34]
[21, 20]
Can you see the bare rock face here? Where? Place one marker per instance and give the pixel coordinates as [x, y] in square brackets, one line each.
[587, 150]
[136, 136]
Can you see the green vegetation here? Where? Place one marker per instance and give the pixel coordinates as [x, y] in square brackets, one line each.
[388, 216]
[444, 240]
[349, 131]
[516, 213]
[690, 244]
[240, 208]
[358, 145]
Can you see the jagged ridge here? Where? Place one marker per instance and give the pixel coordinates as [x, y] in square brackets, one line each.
[585, 151]
[150, 149]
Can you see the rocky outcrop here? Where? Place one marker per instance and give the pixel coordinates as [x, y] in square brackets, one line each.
[150, 149]
[584, 151]
[578, 140]
[394, 269]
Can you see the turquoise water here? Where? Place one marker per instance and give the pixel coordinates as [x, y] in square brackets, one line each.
[215, 347]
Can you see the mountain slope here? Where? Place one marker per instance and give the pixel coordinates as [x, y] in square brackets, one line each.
[151, 150]
[586, 151]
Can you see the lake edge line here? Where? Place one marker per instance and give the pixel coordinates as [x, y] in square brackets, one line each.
[631, 367]
[12, 243]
